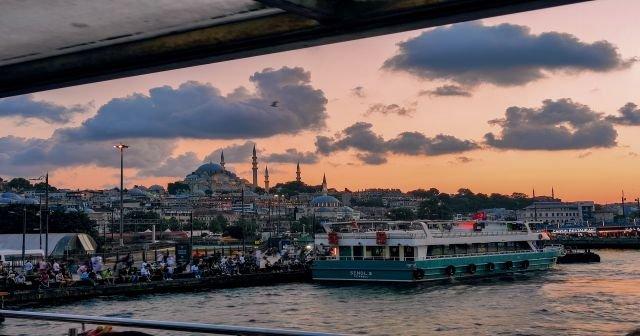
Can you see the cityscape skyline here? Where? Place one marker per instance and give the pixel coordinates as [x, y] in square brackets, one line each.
[391, 116]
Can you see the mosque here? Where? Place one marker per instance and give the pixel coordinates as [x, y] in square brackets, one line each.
[327, 207]
[215, 178]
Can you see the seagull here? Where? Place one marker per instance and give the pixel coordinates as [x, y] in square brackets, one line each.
[274, 104]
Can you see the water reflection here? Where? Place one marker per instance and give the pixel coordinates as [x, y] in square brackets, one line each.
[595, 299]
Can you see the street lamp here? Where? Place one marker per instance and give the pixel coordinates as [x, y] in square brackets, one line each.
[121, 147]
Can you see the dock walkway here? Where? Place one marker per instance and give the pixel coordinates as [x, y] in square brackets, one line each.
[74, 293]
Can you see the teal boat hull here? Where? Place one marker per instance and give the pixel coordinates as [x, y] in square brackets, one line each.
[459, 267]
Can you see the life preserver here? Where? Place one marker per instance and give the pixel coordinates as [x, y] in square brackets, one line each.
[525, 264]
[508, 265]
[450, 270]
[472, 268]
[491, 267]
[418, 273]
[381, 238]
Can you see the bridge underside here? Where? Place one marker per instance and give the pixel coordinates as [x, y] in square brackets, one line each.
[67, 42]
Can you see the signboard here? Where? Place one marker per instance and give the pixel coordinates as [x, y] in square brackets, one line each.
[183, 253]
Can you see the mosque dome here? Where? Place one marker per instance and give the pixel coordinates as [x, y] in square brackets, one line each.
[325, 201]
[209, 169]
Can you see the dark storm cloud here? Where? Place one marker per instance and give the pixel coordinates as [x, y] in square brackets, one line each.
[403, 111]
[292, 155]
[504, 55]
[28, 156]
[372, 158]
[373, 148]
[447, 91]
[174, 166]
[27, 107]
[284, 102]
[557, 125]
[629, 115]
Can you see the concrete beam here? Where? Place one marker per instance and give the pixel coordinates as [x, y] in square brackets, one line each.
[274, 31]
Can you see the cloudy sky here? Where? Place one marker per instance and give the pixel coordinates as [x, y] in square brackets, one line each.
[535, 100]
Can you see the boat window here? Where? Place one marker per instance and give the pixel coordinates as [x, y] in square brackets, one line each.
[345, 252]
[375, 251]
[357, 252]
[409, 253]
[460, 249]
[394, 252]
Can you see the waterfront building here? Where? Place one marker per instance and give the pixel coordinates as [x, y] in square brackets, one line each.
[561, 213]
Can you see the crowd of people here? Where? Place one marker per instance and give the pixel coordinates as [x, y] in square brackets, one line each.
[94, 271]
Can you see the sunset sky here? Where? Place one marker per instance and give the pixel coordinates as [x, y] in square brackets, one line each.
[535, 100]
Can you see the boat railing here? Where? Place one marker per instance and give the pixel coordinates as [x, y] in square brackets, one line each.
[372, 235]
[459, 255]
[477, 234]
[191, 327]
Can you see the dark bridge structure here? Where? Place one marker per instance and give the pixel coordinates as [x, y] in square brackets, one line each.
[49, 45]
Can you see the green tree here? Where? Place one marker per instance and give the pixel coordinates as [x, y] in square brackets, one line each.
[218, 224]
[401, 214]
[177, 187]
[434, 208]
[19, 184]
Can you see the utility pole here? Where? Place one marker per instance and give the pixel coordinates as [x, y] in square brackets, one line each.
[24, 233]
[46, 217]
[242, 219]
[121, 147]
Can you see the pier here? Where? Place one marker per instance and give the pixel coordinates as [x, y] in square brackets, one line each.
[80, 292]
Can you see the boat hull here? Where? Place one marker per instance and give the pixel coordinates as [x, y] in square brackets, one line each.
[444, 268]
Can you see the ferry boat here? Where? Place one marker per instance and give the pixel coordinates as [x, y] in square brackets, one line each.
[416, 251]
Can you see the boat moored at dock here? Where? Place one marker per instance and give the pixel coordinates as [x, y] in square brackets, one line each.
[416, 251]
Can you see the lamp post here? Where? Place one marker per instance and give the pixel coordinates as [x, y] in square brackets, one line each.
[24, 232]
[121, 147]
[46, 206]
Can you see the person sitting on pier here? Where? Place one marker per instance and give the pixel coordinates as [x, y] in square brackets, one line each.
[55, 267]
[21, 279]
[195, 270]
[28, 267]
[60, 280]
[43, 280]
[145, 275]
[107, 276]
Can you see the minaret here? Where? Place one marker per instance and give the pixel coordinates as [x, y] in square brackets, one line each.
[222, 160]
[324, 185]
[266, 179]
[553, 195]
[254, 167]
[298, 177]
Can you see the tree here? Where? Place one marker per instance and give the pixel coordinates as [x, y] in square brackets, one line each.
[41, 186]
[218, 224]
[401, 214]
[177, 187]
[302, 225]
[421, 193]
[434, 208]
[19, 184]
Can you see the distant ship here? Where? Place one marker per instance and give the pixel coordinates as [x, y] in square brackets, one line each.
[416, 251]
